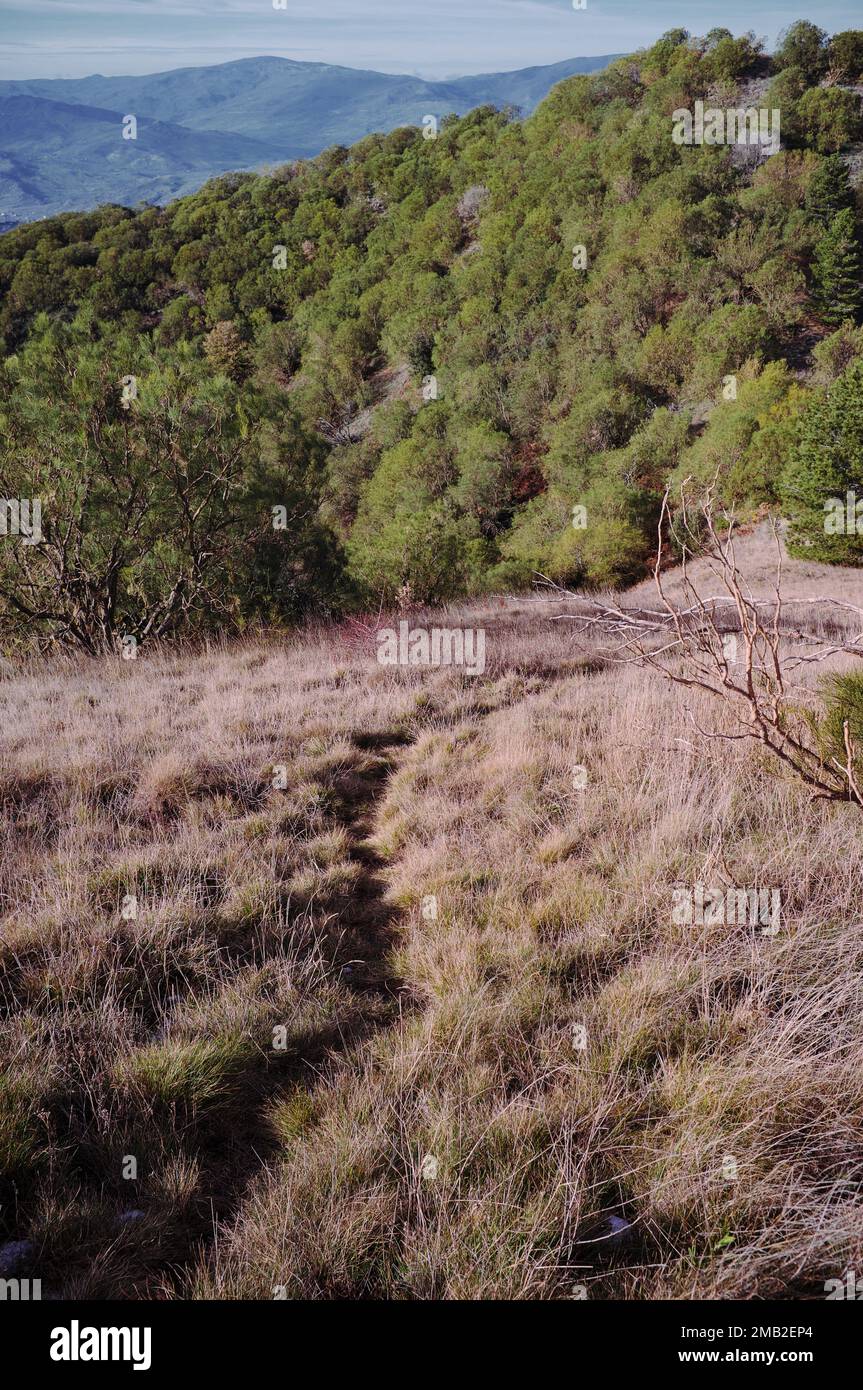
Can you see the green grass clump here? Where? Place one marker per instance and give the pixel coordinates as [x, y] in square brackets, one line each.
[198, 1072]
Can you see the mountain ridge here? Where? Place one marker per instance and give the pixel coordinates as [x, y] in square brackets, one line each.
[196, 120]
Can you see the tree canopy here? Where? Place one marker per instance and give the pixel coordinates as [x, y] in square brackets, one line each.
[398, 368]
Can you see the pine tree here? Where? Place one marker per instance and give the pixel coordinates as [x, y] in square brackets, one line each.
[829, 191]
[837, 270]
[823, 468]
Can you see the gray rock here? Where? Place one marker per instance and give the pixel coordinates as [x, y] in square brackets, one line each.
[609, 1232]
[14, 1256]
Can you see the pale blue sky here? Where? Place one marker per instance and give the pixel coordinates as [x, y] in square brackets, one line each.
[435, 38]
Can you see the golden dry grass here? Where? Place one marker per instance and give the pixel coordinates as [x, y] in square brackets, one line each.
[466, 1097]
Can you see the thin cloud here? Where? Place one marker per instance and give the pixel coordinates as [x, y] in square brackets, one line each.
[71, 37]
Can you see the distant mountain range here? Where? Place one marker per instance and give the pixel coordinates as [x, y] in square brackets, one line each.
[62, 146]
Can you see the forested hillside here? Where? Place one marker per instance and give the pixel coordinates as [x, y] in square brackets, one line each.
[392, 372]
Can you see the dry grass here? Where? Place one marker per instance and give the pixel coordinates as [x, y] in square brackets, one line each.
[466, 1099]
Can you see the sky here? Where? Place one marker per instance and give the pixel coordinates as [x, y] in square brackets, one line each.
[431, 38]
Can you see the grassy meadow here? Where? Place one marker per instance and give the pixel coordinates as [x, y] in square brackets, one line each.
[325, 979]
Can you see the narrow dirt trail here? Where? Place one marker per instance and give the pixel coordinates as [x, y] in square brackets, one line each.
[232, 1159]
[369, 920]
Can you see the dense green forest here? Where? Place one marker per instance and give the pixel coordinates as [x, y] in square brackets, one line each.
[419, 368]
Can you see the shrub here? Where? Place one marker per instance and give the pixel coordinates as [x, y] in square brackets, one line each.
[840, 726]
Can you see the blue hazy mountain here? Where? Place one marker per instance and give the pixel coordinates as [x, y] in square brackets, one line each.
[57, 155]
[61, 143]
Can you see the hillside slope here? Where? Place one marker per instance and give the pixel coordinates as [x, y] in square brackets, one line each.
[412, 1017]
[435, 367]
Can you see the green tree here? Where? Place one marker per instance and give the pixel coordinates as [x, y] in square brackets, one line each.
[836, 352]
[829, 191]
[825, 467]
[803, 45]
[729, 59]
[157, 483]
[226, 352]
[829, 118]
[837, 270]
[845, 55]
[722, 454]
[141, 495]
[484, 488]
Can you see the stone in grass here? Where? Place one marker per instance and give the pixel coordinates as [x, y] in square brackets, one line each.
[127, 1217]
[14, 1257]
[609, 1232]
